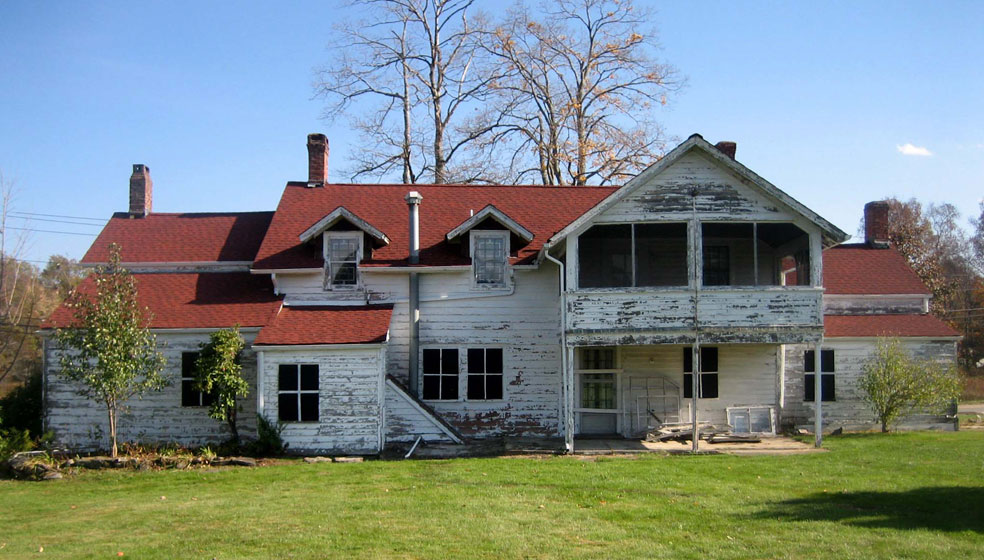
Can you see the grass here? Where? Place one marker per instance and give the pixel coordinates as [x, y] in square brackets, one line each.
[911, 495]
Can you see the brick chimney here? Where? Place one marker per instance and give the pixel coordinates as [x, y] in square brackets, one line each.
[727, 148]
[876, 224]
[141, 191]
[317, 145]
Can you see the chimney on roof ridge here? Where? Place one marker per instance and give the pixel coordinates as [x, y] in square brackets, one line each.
[317, 145]
[727, 148]
[141, 191]
[876, 224]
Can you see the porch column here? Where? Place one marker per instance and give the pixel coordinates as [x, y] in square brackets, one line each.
[569, 401]
[694, 392]
[817, 397]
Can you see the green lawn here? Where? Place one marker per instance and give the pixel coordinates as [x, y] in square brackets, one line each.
[917, 495]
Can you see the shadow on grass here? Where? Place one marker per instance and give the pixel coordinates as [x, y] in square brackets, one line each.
[940, 508]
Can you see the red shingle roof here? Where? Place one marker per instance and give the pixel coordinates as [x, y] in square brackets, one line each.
[214, 300]
[860, 269]
[542, 210]
[835, 326]
[327, 325]
[191, 237]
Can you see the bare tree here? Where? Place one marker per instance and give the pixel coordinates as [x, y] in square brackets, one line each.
[412, 61]
[19, 290]
[581, 87]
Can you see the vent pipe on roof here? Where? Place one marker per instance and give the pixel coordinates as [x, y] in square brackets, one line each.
[317, 145]
[413, 199]
[141, 191]
[876, 224]
[727, 148]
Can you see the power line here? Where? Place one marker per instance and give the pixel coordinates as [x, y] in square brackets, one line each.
[57, 216]
[51, 231]
[57, 221]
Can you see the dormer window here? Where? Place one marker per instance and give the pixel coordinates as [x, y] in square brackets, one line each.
[343, 251]
[490, 254]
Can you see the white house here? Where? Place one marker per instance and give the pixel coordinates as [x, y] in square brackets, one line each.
[382, 313]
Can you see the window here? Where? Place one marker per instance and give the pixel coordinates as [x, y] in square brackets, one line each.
[189, 395]
[342, 254]
[490, 250]
[596, 358]
[708, 372]
[626, 255]
[827, 390]
[717, 265]
[298, 392]
[440, 373]
[484, 374]
[598, 390]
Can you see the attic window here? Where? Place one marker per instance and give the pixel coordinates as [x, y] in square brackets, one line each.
[343, 251]
[490, 252]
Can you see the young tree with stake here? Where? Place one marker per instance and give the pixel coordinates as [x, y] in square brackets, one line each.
[109, 351]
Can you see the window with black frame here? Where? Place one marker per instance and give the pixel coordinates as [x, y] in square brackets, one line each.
[298, 392]
[827, 378]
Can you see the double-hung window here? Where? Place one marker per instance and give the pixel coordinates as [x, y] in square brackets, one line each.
[826, 376]
[298, 392]
[440, 374]
[189, 395]
[343, 251]
[489, 253]
[708, 372]
[484, 374]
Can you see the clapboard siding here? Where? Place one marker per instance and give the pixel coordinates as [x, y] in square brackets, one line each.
[848, 410]
[674, 310]
[80, 423]
[720, 194]
[874, 305]
[350, 411]
[747, 375]
[524, 323]
[405, 422]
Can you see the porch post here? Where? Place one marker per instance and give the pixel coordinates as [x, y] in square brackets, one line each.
[694, 392]
[817, 397]
[569, 401]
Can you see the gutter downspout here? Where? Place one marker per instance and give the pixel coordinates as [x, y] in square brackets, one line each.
[413, 199]
[567, 387]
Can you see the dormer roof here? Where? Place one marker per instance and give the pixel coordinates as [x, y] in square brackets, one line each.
[490, 212]
[339, 214]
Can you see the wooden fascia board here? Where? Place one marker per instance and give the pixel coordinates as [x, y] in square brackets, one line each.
[829, 230]
[491, 211]
[338, 214]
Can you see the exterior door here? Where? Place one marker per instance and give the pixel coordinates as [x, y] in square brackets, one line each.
[598, 411]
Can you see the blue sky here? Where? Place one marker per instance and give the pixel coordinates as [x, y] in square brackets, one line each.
[216, 99]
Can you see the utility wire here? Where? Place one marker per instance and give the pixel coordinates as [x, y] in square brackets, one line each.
[50, 231]
[57, 221]
[57, 216]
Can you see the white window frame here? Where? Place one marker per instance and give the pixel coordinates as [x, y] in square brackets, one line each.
[615, 371]
[463, 368]
[328, 237]
[474, 236]
[299, 392]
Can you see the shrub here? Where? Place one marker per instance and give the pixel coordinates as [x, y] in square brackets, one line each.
[21, 408]
[269, 441]
[896, 384]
